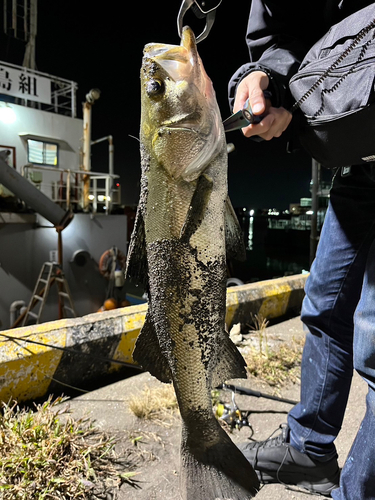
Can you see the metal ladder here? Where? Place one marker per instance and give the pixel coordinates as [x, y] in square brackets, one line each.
[51, 272]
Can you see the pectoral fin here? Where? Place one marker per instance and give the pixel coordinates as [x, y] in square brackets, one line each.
[197, 207]
[148, 354]
[230, 363]
[233, 234]
[136, 264]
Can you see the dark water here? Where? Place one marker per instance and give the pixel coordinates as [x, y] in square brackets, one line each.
[270, 253]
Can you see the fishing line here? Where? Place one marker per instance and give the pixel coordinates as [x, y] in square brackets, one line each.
[17, 340]
[134, 137]
[70, 351]
[49, 376]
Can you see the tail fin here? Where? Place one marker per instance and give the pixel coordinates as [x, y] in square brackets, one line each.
[216, 471]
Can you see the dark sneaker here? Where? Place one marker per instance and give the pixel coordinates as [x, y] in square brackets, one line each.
[276, 461]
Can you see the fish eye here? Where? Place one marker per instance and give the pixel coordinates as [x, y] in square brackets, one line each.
[154, 87]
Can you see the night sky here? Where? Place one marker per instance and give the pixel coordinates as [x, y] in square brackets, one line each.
[100, 46]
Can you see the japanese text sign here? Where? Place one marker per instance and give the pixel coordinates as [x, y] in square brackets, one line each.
[27, 85]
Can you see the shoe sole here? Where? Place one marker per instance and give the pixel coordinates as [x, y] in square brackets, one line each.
[324, 488]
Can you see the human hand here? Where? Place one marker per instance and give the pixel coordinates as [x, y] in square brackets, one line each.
[276, 120]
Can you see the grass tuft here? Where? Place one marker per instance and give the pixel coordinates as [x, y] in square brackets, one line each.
[158, 404]
[45, 454]
[274, 366]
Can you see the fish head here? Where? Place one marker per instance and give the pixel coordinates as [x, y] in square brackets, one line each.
[180, 121]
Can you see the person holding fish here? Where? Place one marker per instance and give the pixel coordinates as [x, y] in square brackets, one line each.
[338, 310]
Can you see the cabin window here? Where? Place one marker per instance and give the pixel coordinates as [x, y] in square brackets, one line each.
[42, 153]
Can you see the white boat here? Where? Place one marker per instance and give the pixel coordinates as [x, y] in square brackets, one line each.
[53, 207]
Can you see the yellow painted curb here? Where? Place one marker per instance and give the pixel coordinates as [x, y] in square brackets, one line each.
[132, 327]
[26, 369]
[269, 299]
[94, 342]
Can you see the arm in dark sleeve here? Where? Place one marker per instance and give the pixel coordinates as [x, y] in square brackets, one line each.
[276, 46]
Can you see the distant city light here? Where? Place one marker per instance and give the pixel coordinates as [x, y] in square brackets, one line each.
[251, 213]
[309, 212]
[273, 211]
[101, 197]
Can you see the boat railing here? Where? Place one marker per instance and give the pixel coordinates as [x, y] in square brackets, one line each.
[68, 189]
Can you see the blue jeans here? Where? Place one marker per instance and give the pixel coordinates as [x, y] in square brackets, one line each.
[339, 313]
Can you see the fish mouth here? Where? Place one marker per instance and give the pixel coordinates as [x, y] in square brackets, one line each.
[177, 60]
[188, 39]
[174, 52]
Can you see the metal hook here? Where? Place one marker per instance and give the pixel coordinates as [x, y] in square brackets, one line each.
[210, 18]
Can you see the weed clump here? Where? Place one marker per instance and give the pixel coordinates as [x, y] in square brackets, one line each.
[46, 454]
[157, 404]
[273, 366]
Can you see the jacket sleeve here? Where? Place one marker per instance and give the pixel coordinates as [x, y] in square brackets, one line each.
[276, 46]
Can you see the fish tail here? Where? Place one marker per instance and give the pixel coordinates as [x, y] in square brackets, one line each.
[216, 470]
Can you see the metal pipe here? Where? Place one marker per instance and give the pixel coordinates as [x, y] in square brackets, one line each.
[108, 198]
[29, 57]
[91, 97]
[111, 150]
[111, 169]
[40, 73]
[73, 102]
[60, 262]
[37, 200]
[102, 139]
[95, 194]
[100, 175]
[14, 17]
[68, 191]
[86, 156]
[17, 304]
[25, 19]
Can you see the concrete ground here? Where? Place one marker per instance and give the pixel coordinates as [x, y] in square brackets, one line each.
[155, 447]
